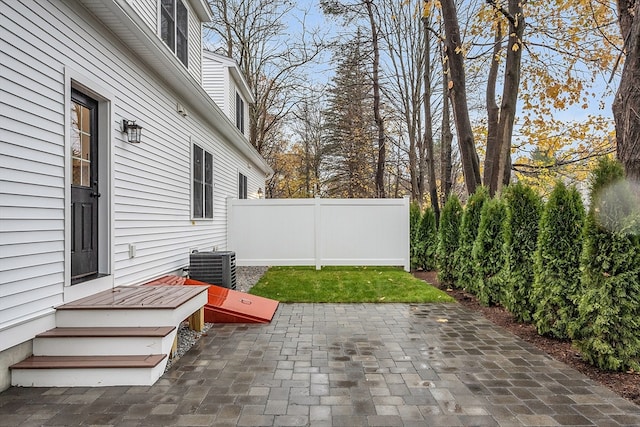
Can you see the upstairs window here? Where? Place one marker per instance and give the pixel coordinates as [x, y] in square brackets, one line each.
[174, 27]
[239, 112]
[242, 186]
[202, 183]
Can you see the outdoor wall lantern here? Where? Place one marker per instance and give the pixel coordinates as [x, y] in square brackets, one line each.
[134, 131]
[260, 193]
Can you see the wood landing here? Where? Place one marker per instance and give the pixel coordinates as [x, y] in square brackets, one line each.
[132, 297]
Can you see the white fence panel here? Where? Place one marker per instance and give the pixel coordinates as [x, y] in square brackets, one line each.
[319, 231]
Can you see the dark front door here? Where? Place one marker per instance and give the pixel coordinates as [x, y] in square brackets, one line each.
[84, 187]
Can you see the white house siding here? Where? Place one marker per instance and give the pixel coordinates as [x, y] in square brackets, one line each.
[148, 11]
[31, 172]
[195, 46]
[213, 82]
[151, 180]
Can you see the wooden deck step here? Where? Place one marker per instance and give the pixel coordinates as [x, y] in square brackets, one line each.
[88, 371]
[89, 362]
[105, 341]
[107, 332]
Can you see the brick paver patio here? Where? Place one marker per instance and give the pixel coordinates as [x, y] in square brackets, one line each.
[344, 364]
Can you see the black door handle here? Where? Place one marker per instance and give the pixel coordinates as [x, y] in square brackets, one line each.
[95, 194]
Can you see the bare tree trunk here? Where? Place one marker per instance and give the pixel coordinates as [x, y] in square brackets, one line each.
[380, 190]
[626, 106]
[447, 139]
[510, 88]
[428, 122]
[491, 159]
[413, 171]
[455, 58]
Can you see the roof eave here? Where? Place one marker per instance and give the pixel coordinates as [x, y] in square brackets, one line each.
[123, 21]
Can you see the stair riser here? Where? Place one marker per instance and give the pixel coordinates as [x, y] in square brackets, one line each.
[86, 377]
[30, 373]
[102, 346]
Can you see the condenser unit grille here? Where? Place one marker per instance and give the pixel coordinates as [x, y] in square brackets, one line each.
[217, 268]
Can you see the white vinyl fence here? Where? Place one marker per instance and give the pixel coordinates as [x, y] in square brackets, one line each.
[319, 232]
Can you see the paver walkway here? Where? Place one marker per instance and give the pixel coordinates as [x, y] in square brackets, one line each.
[344, 364]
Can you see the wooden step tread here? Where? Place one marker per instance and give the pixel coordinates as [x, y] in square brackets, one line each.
[107, 332]
[137, 297]
[89, 362]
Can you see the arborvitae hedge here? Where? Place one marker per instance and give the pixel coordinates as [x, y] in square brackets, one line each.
[607, 329]
[524, 208]
[414, 222]
[468, 232]
[556, 286]
[448, 239]
[488, 252]
[427, 241]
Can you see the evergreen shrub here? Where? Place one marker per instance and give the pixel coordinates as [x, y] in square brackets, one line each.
[524, 207]
[488, 252]
[448, 235]
[468, 232]
[427, 241]
[556, 286]
[607, 329]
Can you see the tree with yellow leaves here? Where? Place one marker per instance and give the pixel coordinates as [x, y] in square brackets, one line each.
[551, 62]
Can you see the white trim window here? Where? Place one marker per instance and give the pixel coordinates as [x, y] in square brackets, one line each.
[174, 28]
[239, 112]
[202, 198]
[242, 186]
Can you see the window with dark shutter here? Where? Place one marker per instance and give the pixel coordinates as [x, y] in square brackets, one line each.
[239, 112]
[202, 183]
[182, 33]
[242, 186]
[174, 28]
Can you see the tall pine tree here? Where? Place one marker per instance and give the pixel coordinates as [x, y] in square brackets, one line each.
[350, 126]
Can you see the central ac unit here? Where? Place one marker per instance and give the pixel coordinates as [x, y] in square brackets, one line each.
[217, 268]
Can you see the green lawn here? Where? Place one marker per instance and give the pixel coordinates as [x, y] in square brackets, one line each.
[346, 285]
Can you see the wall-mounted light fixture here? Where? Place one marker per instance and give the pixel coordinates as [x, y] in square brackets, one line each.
[133, 131]
[260, 193]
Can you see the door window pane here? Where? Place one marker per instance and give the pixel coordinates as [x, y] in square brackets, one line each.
[80, 145]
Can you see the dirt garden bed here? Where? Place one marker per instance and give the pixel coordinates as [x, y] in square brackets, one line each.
[624, 384]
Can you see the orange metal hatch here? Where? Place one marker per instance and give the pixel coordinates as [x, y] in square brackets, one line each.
[226, 305]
